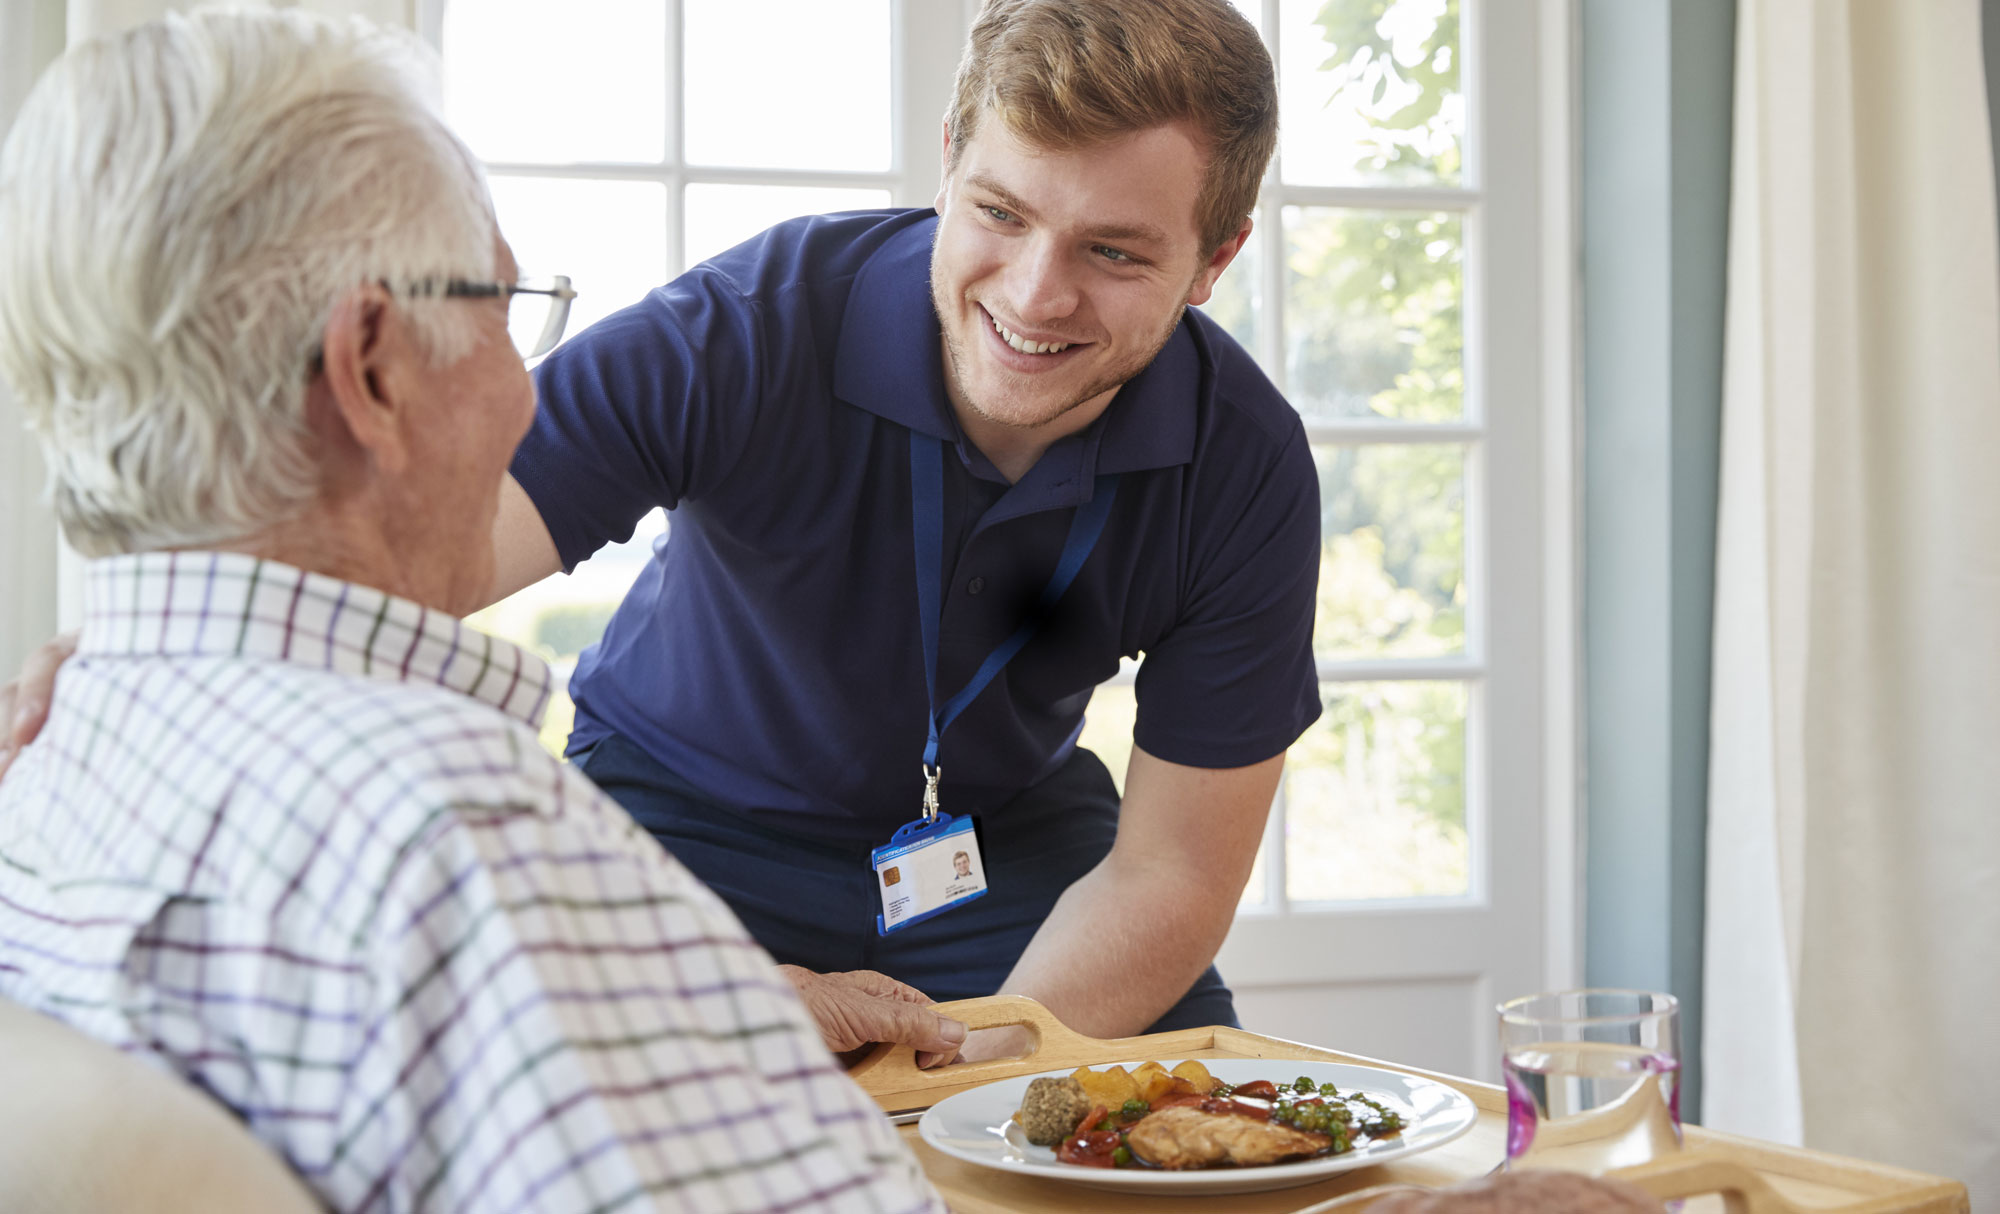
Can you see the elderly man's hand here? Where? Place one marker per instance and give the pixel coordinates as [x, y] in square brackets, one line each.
[861, 1007]
[1526, 1192]
[24, 703]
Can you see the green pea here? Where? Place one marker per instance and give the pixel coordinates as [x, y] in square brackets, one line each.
[1121, 1158]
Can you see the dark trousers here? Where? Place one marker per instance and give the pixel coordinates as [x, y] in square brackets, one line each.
[813, 903]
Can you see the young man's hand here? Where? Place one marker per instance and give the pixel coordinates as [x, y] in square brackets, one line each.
[24, 703]
[861, 1007]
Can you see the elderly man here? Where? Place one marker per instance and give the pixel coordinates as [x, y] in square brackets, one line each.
[288, 830]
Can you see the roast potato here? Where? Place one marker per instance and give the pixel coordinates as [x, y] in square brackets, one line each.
[1197, 1074]
[1110, 1087]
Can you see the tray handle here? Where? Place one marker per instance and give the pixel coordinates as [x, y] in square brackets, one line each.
[1697, 1173]
[1670, 1179]
[893, 1068]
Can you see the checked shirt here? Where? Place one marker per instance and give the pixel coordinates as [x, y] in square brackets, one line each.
[294, 839]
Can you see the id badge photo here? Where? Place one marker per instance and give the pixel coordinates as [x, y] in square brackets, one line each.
[927, 868]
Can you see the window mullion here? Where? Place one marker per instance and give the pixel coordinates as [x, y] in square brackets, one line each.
[1271, 352]
[676, 101]
[1271, 290]
[1271, 332]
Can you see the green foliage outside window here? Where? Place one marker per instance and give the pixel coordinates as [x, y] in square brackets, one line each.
[1374, 328]
[566, 631]
[1385, 52]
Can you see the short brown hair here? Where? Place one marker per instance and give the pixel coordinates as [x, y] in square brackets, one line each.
[1068, 74]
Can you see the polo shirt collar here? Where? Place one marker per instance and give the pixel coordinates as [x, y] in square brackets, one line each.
[888, 361]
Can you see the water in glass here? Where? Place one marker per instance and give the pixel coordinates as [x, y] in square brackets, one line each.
[1590, 1106]
[1593, 1079]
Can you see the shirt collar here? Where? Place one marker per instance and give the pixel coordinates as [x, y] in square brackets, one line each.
[888, 362]
[223, 604]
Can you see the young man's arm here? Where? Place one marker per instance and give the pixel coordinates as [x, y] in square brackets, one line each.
[523, 550]
[1235, 678]
[1125, 942]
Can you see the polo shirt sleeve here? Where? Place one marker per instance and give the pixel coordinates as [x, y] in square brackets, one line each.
[650, 406]
[1234, 682]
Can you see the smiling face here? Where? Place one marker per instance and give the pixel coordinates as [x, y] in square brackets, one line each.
[1058, 275]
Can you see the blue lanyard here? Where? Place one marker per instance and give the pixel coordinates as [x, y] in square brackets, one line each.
[927, 513]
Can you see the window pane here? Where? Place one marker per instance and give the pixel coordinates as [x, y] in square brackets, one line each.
[1375, 795]
[795, 84]
[1370, 93]
[1256, 892]
[1373, 314]
[558, 81]
[722, 216]
[1237, 302]
[610, 237]
[1107, 728]
[1392, 551]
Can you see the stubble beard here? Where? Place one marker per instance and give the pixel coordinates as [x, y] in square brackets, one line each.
[1114, 377]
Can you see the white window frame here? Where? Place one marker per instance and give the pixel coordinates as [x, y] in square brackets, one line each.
[928, 37]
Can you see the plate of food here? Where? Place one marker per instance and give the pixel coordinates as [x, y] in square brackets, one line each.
[1214, 1125]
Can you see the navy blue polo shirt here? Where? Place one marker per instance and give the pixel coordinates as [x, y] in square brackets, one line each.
[769, 653]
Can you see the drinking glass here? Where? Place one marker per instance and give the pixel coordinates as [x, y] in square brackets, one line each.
[1592, 1079]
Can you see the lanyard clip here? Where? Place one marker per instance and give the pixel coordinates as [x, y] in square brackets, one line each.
[931, 776]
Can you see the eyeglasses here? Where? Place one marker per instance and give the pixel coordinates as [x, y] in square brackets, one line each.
[535, 323]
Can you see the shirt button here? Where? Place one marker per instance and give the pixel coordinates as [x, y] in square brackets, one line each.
[975, 585]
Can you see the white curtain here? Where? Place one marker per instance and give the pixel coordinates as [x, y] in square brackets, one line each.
[1853, 942]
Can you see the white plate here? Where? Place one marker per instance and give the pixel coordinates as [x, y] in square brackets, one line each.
[978, 1127]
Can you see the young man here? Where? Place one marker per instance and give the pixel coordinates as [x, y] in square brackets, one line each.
[878, 434]
[289, 832]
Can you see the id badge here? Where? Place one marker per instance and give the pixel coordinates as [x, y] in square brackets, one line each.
[927, 868]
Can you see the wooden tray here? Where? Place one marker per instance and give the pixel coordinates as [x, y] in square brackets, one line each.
[1718, 1172]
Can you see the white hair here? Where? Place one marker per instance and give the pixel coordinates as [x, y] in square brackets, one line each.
[180, 207]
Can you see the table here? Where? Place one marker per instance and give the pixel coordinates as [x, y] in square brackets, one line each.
[1717, 1172]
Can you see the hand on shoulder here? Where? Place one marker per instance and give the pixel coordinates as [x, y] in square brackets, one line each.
[24, 702]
